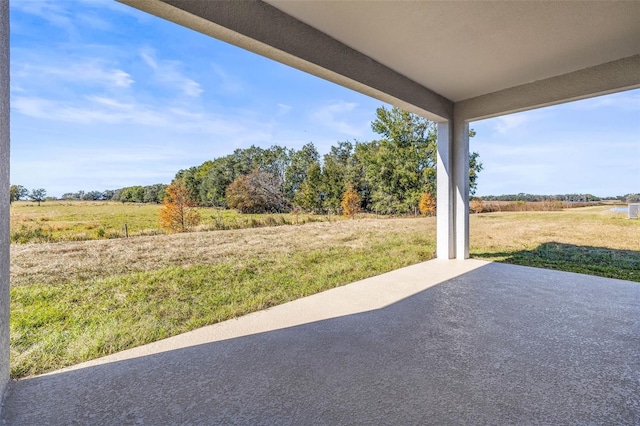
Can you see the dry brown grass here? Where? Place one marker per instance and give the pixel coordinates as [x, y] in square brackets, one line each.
[83, 260]
[490, 233]
[588, 226]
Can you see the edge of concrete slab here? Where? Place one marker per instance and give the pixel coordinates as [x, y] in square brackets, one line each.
[360, 296]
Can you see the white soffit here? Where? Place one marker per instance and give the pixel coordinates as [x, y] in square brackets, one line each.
[464, 49]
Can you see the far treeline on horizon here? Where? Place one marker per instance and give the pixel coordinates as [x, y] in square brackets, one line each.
[393, 175]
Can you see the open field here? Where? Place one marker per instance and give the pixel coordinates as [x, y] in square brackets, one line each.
[74, 301]
[58, 221]
[589, 240]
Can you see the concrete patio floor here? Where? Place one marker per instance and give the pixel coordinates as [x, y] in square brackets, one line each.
[442, 342]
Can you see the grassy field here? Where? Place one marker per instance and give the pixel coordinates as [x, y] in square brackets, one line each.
[58, 221]
[589, 240]
[73, 301]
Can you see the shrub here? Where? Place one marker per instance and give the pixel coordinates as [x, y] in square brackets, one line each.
[350, 203]
[26, 235]
[427, 204]
[257, 192]
[177, 213]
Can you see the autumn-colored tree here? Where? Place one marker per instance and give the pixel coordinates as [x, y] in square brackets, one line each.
[177, 213]
[427, 204]
[350, 202]
[257, 192]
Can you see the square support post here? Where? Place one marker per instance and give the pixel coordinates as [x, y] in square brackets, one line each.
[445, 233]
[4, 195]
[460, 163]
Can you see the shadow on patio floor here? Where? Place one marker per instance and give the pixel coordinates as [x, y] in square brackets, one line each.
[501, 344]
[581, 259]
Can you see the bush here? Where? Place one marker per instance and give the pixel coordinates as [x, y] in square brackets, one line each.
[177, 213]
[427, 204]
[26, 235]
[257, 192]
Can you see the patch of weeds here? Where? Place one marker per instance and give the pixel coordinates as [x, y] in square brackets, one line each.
[112, 234]
[24, 235]
[79, 236]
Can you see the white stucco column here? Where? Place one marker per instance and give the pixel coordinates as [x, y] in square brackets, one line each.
[460, 163]
[445, 234]
[4, 195]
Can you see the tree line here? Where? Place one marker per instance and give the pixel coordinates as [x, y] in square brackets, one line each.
[19, 192]
[389, 175]
[567, 198]
[395, 174]
[130, 194]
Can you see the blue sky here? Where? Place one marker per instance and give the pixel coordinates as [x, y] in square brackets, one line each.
[104, 96]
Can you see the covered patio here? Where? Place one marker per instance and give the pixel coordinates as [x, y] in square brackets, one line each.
[442, 342]
[450, 341]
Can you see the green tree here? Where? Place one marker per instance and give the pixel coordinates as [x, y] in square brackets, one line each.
[132, 194]
[107, 194]
[38, 195]
[297, 170]
[475, 167]
[17, 193]
[309, 196]
[402, 166]
[92, 196]
[154, 193]
[221, 172]
[338, 171]
[192, 179]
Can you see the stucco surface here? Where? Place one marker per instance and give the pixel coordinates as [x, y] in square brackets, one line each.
[4, 194]
[497, 344]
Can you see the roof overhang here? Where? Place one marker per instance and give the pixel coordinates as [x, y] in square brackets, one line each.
[486, 58]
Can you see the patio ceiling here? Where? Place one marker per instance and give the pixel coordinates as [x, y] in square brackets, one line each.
[428, 56]
[466, 49]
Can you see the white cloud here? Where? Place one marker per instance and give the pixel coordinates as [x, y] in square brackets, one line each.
[88, 71]
[283, 109]
[191, 88]
[509, 122]
[235, 128]
[168, 72]
[149, 60]
[335, 117]
[52, 11]
[228, 83]
[94, 21]
[94, 112]
[65, 15]
[625, 101]
[110, 102]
